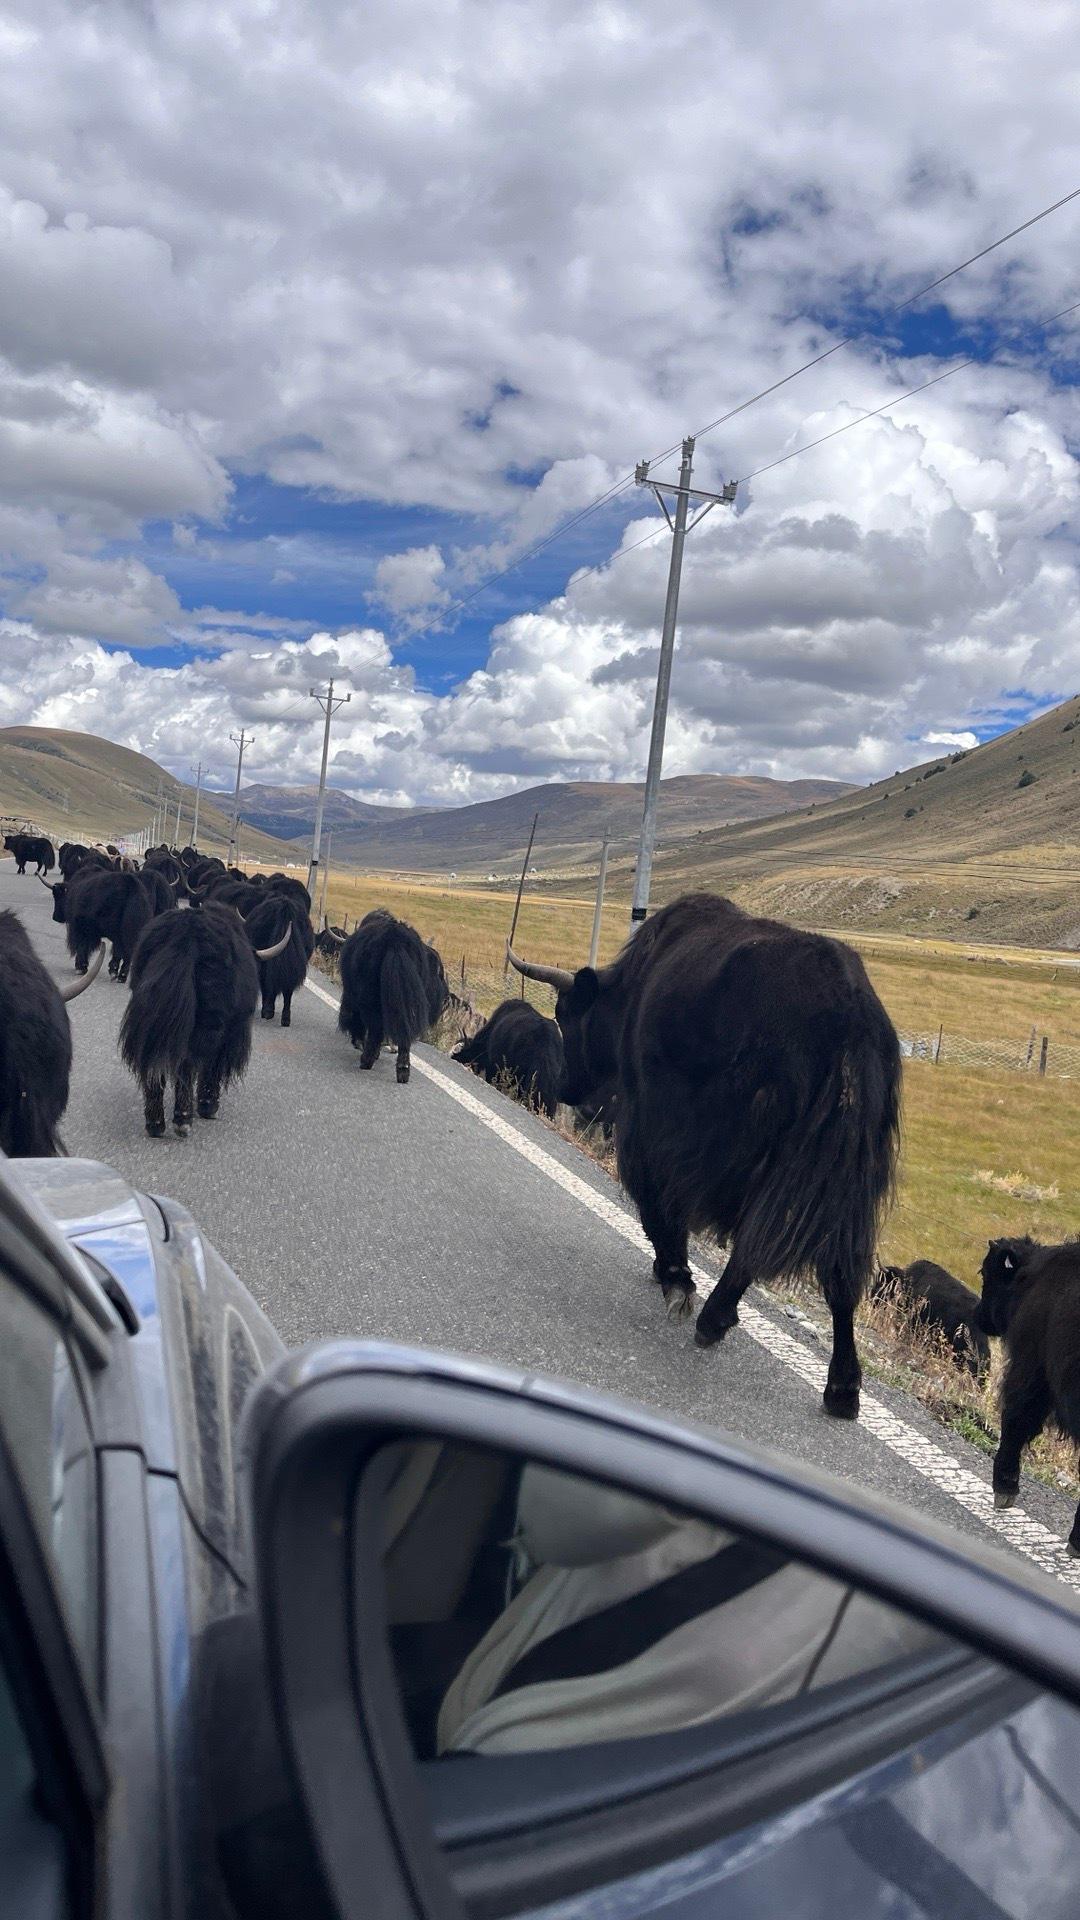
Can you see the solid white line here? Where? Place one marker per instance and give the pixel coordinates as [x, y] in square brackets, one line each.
[1026, 1535]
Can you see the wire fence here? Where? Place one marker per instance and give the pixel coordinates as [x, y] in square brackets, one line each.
[1039, 1054]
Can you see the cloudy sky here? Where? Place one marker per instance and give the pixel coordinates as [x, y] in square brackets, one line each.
[314, 316]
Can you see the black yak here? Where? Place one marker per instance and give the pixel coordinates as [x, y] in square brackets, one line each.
[98, 905]
[280, 923]
[757, 1096]
[157, 889]
[1031, 1300]
[194, 986]
[521, 1047]
[393, 987]
[31, 847]
[933, 1297]
[290, 889]
[35, 1044]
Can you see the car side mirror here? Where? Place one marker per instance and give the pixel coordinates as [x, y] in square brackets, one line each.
[522, 1641]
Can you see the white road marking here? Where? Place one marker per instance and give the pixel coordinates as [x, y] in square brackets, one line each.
[1026, 1535]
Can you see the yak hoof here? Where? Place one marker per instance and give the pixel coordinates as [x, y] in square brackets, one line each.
[181, 1128]
[706, 1338]
[286, 1019]
[402, 1076]
[207, 1113]
[1003, 1500]
[156, 1129]
[679, 1303]
[841, 1403]
[1072, 1548]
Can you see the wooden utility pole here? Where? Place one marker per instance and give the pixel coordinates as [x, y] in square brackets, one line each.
[521, 888]
[594, 943]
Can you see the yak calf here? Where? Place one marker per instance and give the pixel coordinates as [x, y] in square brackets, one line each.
[933, 1297]
[1031, 1299]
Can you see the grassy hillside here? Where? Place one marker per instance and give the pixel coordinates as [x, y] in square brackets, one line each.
[289, 812]
[75, 786]
[981, 844]
[491, 836]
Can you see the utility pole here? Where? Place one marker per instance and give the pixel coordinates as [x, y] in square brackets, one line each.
[198, 789]
[329, 706]
[240, 741]
[684, 493]
[594, 943]
[520, 891]
[179, 804]
[325, 878]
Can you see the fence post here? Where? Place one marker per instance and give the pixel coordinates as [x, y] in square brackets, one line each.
[1043, 1051]
[463, 969]
[937, 1049]
[1031, 1048]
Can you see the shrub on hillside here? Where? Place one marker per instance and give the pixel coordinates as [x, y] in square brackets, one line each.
[1027, 778]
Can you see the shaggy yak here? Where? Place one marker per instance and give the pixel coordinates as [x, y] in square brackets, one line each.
[279, 919]
[1031, 1300]
[393, 987]
[522, 1048]
[757, 1081]
[194, 985]
[35, 1044]
[933, 1297]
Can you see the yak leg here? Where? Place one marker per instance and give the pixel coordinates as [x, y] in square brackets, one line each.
[154, 1105]
[286, 1008]
[1073, 1542]
[1023, 1415]
[371, 1048]
[114, 961]
[403, 1064]
[671, 1269]
[721, 1310]
[182, 1100]
[209, 1092]
[269, 1004]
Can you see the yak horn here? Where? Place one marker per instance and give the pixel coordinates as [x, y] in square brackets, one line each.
[45, 883]
[557, 977]
[271, 953]
[76, 987]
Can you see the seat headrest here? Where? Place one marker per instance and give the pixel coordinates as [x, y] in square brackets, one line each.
[564, 1520]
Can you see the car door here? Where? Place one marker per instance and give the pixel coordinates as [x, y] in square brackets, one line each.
[573, 1659]
[52, 1771]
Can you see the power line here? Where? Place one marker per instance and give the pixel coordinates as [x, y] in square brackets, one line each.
[899, 306]
[873, 412]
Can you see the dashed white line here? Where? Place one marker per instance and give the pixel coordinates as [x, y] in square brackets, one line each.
[1026, 1535]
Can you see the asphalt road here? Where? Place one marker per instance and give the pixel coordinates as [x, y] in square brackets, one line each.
[350, 1205]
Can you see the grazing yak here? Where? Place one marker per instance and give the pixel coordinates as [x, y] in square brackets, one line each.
[393, 987]
[1031, 1300]
[757, 1095]
[933, 1297]
[35, 1044]
[279, 920]
[521, 1047]
[194, 986]
[33, 847]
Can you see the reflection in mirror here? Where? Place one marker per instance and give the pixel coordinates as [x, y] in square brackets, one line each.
[532, 1609]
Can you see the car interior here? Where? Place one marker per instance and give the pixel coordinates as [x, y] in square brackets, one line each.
[533, 1610]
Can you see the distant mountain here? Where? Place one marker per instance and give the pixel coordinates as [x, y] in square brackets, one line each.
[76, 786]
[289, 812]
[491, 835]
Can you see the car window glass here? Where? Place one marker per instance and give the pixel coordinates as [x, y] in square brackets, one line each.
[533, 1610]
[49, 1442]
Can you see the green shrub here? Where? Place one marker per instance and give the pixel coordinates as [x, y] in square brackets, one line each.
[1027, 778]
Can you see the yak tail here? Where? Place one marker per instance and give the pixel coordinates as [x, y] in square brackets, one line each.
[159, 1020]
[824, 1190]
[404, 998]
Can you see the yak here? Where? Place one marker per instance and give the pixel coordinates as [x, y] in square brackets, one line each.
[757, 1096]
[280, 921]
[521, 1047]
[35, 1044]
[393, 987]
[103, 905]
[933, 1297]
[154, 884]
[194, 987]
[1031, 1300]
[31, 846]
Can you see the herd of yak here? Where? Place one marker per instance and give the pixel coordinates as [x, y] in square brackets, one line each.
[748, 1070]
